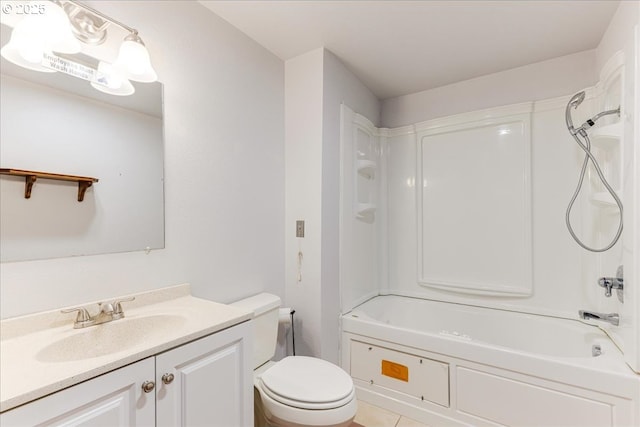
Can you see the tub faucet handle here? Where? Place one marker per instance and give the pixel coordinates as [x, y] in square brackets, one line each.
[609, 283]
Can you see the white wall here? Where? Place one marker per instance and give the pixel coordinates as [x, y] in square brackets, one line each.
[224, 172]
[340, 86]
[316, 84]
[533, 82]
[303, 165]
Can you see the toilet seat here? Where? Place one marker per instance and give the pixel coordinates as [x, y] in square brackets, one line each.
[307, 383]
[307, 405]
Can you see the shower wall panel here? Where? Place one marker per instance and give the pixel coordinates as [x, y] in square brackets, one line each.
[474, 203]
[497, 245]
[361, 212]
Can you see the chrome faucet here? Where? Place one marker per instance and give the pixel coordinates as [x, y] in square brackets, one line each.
[107, 312]
[609, 283]
[612, 318]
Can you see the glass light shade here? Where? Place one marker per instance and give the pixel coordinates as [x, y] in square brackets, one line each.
[125, 89]
[54, 24]
[110, 80]
[133, 60]
[14, 56]
[25, 47]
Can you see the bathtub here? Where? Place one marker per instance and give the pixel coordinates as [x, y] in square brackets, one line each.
[452, 364]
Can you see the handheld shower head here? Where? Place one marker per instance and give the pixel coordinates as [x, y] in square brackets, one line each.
[582, 130]
[573, 102]
[576, 100]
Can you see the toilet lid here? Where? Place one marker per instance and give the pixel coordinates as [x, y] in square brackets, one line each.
[307, 382]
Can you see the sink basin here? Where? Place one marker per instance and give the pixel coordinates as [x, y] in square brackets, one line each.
[108, 338]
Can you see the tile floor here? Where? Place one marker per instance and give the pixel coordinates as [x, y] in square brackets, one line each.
[373, 416]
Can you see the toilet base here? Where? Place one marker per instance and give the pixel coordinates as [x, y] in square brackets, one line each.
[275, 422]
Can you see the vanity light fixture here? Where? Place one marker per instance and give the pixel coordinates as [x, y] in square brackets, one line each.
[110, 80]
[53, 31]
[39, 33]
[134, 60]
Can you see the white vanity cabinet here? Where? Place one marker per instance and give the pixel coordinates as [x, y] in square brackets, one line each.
[208, 382]
[205, 382]
[113, 399]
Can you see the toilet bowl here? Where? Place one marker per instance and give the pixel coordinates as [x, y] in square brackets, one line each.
[305, 391]
[297, 391]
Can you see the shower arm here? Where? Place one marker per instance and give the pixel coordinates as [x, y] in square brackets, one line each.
[582, 130]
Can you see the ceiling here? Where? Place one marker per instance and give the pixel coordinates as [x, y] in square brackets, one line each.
[401, 47]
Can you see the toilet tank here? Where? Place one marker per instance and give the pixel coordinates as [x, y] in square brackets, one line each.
[265, 325]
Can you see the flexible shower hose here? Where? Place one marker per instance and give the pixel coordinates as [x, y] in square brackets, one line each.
[586, 147]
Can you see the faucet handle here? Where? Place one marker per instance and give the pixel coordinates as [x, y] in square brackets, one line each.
[609, 283]
[83, 319]
[118, 313]
[106, 307]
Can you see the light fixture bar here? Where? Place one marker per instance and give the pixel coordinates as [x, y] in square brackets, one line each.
[101, 15]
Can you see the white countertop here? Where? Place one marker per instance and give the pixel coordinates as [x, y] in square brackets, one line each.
[42, 353]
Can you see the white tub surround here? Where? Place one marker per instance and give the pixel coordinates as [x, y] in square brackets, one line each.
[453, 364]
[465, 207]
[470, 208]
[42, 353]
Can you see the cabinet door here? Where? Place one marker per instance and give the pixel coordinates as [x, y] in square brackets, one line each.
[110, 400]
[212, 381]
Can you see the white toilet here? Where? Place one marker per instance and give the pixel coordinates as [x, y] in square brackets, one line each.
[297, 391]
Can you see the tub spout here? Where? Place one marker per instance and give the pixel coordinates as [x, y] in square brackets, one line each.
[612, 318]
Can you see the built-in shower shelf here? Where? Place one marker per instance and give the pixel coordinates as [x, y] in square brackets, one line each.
[604, 198]
[30, 177]
[367, 168]
[605, 135]
[365, 209]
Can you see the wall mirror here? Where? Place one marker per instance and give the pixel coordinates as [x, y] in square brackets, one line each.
[55, 123]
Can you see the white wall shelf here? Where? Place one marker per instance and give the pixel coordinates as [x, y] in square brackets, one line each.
[365, 145]
[367, 168]
[365, 209]
[608, 135]
[603, 198]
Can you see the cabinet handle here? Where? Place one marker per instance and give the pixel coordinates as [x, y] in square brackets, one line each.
[148, 386]
[167, 378]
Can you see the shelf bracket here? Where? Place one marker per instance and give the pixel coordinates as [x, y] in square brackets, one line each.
[82, 188]
[29, 180]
